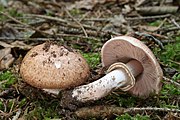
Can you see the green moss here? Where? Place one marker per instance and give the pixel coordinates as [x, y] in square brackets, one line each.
[93, 59]
[177, 38]
[76, 12]
[170, 56]
[22, 102]
[44, 110]
[127, 102]
[171, 89]
[176, 77]
[7, 79]
[10, 11]
[155, 23]
[1, 105]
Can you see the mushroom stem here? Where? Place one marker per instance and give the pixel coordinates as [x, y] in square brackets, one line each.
[135, 67]
[117, 78]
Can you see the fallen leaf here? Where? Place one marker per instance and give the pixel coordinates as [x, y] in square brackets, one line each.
[126, 9]
[118, 20]
[6, 58]
[148, 28]
[16, 44]
[87, 4]
[8, 31]
[21, 45]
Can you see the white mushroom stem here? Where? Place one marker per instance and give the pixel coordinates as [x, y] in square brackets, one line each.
[113, 80]
[52, 91]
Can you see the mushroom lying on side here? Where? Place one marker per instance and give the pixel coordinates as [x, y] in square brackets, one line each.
[52, 67]
[132, 68]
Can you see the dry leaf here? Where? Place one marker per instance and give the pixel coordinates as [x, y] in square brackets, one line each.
[16, 44]
[8, 31]
[148, 28]
[118, 20]
[157, 10]
[21, 45]
[126, 9]
[87, 4]
[6, 58]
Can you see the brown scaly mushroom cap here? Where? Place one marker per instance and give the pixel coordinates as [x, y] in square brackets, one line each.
[52, 66]
[125, 48]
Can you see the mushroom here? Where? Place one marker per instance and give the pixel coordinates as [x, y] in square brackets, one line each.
[52, 68]
[131, 67]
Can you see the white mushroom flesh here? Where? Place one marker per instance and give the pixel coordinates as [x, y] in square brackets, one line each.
[113, 80]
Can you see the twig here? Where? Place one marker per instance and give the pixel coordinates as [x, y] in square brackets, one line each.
[178, 63]
[175, 23]
[152, 109]
[150, 37]
[165, 30]
[99, 111]
[67, 23]
[4, 114]
[27, 39]
[60, 21]
[148, 17]
[50, 39]
[3, 81]
[77, 22]
[5, 92]
[12, 106]
[78, 31]
[168, 41]
[59, 35]
[104, 111]
[161, 24]
[169, 80]
[157, 10]
[15, 117]
[128, 18]
[83, 37]
[4, 105]
[25, 25]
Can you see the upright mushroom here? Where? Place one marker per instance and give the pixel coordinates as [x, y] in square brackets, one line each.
[53, 67]
[131, 67]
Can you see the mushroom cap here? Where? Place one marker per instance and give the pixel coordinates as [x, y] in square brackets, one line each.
[51, 66]
[125, 48]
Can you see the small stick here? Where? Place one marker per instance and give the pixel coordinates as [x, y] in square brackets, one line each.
[26, 25]
[169, 80]
[165, 30]
[151, 38]
[65, 22]
[49, 39]
[155, 10]
[152, 109]
[178, 63]
[2, 113]
[104, 111]
[128, 18]
[99, 111]
[15, 117]
[69, 14]
[59, 35]
[27, 39]
[148, 17]
[60, 21]
[5, 92]
[175, 23]
[78, 31]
